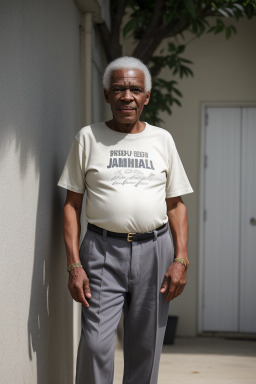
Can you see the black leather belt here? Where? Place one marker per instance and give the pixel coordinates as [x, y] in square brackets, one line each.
[130, 236]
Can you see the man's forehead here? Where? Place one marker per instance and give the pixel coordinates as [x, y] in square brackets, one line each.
[127, 75]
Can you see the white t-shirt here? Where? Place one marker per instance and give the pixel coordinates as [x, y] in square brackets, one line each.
[127, 177]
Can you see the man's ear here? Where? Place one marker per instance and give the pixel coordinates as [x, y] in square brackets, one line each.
[147, 98]
[106, 96]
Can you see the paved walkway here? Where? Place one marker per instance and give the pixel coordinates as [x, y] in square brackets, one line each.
[203, 360]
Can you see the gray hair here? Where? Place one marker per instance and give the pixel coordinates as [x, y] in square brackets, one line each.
[127, 62]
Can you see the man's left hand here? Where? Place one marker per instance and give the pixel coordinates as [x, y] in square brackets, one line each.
[174, 281]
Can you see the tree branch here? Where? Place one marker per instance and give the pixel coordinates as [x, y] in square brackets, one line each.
[150, 41]
[115, 48]
[166, 31]
[112, 46]
[117, 16]
[155, 70]
[145, 49]
[149, 36]
[157, 14]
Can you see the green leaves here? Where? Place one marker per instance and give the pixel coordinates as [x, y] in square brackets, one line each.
[129, 26]
[220, 27]
[199, 26]
[171, 18]
[165, 92]
[173, 60]
[163, 97]
[191, 8]
[229, 30]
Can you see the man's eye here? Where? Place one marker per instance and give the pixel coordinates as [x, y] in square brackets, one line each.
[136, 90]
[117, 89]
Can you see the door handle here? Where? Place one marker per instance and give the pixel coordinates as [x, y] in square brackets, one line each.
[253, 221]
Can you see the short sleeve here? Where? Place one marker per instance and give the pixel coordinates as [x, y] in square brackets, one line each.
[177, 183]
[73, 175]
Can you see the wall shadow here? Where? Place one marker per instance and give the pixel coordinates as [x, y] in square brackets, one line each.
[50, 317]
[40, 112]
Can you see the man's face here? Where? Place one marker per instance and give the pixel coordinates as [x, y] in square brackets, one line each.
[127, 95]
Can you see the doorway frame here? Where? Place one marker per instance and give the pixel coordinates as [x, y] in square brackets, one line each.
[203, 106]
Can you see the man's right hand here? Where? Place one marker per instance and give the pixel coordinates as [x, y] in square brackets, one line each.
[78, 286]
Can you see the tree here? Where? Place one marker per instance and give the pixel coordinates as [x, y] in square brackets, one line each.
[150, 22]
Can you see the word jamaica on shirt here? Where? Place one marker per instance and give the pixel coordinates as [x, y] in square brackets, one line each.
[121, 159]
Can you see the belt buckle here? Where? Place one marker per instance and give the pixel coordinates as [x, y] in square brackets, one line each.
[129, 236]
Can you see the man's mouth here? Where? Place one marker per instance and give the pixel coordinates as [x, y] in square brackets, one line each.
[126, 109]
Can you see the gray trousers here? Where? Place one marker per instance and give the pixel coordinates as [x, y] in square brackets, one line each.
[123, 275]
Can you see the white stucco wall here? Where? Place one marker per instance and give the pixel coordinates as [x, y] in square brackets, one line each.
[224, 71]
[40, 113]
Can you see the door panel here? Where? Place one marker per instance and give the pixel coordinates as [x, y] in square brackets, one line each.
[221, 230]
[248, 225]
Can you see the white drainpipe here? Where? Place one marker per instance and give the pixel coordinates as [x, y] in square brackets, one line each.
[86, 62]
[87, 51]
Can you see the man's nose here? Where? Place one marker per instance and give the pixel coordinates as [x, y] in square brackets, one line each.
[127, 95]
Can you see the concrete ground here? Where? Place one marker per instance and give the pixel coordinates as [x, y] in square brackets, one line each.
[203, 360]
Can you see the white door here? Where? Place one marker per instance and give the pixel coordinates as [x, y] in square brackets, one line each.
[248, 223]
[229, 258]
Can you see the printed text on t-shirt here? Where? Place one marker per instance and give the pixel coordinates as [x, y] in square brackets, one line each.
[130, 159]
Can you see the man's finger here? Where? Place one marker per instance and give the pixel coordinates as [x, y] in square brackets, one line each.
[180, 289]
[73, 291]
[87, 290]
[81, 298]
[171, 293]
[164, 286]
[174, 291]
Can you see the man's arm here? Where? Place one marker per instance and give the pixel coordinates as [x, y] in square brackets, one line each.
[78, 281]
[176, 276]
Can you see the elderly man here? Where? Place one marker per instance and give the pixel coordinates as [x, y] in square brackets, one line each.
[127, 261]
